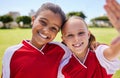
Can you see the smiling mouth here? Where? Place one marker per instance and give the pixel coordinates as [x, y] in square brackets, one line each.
[78, 45]
[43, 36]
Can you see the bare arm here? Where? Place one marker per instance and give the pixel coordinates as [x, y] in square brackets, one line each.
[112, 8]
[114, 50]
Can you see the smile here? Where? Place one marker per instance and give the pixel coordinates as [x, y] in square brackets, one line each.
[78, 45]
[43, 36]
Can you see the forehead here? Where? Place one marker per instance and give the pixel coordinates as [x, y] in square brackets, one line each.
[75, 24]
[51, 17]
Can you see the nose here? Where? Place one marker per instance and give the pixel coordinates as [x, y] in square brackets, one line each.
[76, 38]
[46, 30]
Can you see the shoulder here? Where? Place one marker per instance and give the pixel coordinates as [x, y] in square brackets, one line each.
[10, 51]
[67, 51]
[7, 58]
[101, 48]
[13, 48]
[59, 44]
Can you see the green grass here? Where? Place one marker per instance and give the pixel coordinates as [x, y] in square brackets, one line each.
[104, 35]
[10, 37]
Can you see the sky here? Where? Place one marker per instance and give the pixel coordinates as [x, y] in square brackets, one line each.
[91, 8]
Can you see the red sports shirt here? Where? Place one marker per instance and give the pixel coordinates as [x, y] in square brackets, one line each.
[95, 65]
[26, 61]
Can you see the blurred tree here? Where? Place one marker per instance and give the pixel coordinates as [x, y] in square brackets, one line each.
[100, 18]
[81, 14]
[6, 19]
[101, 21]
[26, 21]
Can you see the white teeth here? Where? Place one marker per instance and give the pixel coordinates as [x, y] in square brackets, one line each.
[77, 45]
[43, 36]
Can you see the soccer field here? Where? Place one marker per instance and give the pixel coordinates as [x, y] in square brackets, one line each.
[10, 37]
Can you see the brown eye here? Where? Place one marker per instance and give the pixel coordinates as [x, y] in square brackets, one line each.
[81, 33]
[54, 29]
[43, 23]
[69, 35]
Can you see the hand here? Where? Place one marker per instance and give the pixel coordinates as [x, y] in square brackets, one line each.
[112, 8]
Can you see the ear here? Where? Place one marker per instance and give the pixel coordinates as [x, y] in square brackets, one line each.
[63, 41]
[33, 18]
[62, 38]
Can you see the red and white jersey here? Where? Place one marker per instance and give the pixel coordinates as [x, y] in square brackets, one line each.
[95, 65]
[26, 61]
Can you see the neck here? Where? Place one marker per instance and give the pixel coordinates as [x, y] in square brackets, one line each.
[81, 56]
[34, 43]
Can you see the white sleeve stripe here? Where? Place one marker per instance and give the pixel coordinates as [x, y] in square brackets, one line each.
[6, 60]
[110, 66]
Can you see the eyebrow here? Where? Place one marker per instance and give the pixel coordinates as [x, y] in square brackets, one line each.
[44, 19]
[48, 21]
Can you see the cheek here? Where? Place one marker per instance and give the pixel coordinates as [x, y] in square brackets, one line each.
[35, 22]
[68, 42]
[53, 34]
[86, 40]
[64, 40]
[86, 37]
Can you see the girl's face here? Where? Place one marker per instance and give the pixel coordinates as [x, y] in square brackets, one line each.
[76, 36]
[45, 27]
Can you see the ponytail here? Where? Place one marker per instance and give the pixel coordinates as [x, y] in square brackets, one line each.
[92, 40]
